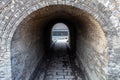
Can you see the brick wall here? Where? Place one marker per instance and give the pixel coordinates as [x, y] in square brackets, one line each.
[106, 12]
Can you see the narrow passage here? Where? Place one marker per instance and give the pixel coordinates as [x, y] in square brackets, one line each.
[59, 67]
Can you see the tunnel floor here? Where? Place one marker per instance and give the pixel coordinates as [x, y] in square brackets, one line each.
[59, 67]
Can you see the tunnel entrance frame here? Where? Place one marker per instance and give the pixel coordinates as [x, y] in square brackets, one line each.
[90, 10]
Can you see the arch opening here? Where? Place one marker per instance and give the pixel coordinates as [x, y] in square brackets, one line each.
[60, 33]
[31, 43]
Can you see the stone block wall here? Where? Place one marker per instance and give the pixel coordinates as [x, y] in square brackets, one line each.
[106, 12]
[26, 50]
[92, 49]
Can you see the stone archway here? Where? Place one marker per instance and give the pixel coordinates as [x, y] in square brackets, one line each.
[28, 45]
[13, 12]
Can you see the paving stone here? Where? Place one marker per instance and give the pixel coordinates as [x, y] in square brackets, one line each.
[61, 61]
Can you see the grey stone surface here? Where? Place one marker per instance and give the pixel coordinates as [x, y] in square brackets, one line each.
[60, 67]
[106, 12]
[26, 52]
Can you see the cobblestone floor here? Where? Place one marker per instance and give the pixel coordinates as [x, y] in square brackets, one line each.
[59, 67]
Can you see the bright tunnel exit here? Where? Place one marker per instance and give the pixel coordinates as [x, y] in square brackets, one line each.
[60, 33]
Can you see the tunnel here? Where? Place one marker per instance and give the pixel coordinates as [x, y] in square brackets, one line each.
[31, 44]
